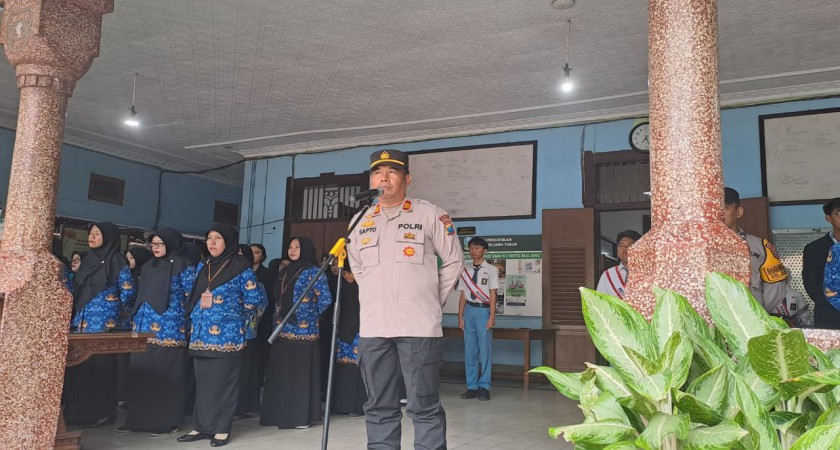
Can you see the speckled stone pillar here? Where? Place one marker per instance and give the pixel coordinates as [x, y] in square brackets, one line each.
[51, 43]
[687, 239]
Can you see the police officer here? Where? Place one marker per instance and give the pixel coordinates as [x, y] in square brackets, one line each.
[394, 254]
[769, 280]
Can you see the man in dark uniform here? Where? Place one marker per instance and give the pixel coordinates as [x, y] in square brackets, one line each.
[813, 268]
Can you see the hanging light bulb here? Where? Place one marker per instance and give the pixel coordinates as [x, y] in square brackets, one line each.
[566, 84]
[132, 120]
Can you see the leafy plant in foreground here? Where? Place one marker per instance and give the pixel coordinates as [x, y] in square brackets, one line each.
[749, 383]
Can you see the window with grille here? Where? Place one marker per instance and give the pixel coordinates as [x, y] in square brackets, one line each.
[106, 189]
[326, 197]
[225, 212]
[616, 179]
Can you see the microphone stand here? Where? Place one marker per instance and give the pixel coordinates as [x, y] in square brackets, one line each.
[338, 251]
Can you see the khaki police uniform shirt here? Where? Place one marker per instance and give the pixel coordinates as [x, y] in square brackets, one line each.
[768, 278]
[401, 288]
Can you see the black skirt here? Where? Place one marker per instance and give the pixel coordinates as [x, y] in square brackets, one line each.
[349, 395]
[157, 388]
[90, 391]
[292, 393]
[249, 380]
[216, 391]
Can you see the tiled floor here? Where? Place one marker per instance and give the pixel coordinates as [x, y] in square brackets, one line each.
[513, 419]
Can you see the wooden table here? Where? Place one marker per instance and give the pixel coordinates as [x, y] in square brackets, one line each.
[526, 335]
[80, 347]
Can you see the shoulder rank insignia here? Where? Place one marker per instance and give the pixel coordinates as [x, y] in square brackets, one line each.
[376, 209]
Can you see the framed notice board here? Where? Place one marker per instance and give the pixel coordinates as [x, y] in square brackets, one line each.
[479, 182]
[800, 156]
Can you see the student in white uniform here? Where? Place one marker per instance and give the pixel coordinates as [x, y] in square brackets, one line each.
[614, 279]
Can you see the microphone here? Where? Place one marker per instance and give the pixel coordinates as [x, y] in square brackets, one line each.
[367, 195]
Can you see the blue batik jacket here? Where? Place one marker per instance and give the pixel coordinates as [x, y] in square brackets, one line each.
[221, 328]
[170, 327]
[102, 313]
[303, 325]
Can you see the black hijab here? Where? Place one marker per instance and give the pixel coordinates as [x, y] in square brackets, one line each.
[284, 288]
[193, 252]
[100, 267]
[348, 320]
[156, 274]
[229, 264]
[246, 251]
[140, 255]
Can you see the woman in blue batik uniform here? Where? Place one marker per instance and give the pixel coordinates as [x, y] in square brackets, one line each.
[103, 286]
[249, 381]
[348, 389]
[157, 377]
[292, 394]
[222, 300]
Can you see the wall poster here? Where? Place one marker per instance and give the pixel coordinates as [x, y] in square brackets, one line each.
[519, 260]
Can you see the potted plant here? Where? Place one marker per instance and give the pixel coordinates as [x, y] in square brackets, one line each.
[749, 382]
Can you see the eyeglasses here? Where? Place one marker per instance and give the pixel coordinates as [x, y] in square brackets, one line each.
[157, 244]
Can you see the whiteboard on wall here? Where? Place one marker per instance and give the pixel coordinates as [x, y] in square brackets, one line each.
[479, 182]
[800, 155]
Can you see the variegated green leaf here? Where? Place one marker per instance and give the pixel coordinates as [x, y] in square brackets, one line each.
[719, 437]
[609, 380]
[645, 365]
[589, 393]
[834, 356]
[778, 323]
[735, 312]
[601, 433]
[623, 445]
[709, 355]
[756, 417]
[666, 318]
[606, 408]
[652, 387]
[789, 422]
[567, 383]
[822, 360]
[697, 410]
[711, 388]
[660, 427]
[830, 416]
[819, 438]
[768, 395]
[613, 325]
[779, 355]
[805, 385]
[692, 323]
[676, 357]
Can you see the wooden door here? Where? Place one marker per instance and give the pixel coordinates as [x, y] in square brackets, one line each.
[568, 248]
[756, 219]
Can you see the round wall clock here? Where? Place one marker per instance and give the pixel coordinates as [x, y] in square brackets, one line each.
[640, 137]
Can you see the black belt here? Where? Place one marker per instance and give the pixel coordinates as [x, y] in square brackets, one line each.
[479, 305]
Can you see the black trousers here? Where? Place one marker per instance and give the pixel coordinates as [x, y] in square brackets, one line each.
[420, 360]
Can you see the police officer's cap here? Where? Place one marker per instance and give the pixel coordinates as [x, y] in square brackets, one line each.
[391, 157]
[731, 196]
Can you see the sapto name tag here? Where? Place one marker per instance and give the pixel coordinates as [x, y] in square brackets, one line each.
[410, 226]
[206, 299]
[367, 230]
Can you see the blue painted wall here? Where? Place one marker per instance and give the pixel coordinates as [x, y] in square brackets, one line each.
[558, 184]
[187, 201]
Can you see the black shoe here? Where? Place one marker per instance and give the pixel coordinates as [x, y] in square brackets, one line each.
[219, 442]
[163, 431]
[124, 429]
[483, 394]
[193, 437]
[470, 394]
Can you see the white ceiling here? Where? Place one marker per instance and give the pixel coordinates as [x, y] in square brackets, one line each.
[222, 79]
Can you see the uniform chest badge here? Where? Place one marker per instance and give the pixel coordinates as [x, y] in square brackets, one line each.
[406, 205]
[365, 240]
[409, 236]
[368, 224]
[409, 251]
